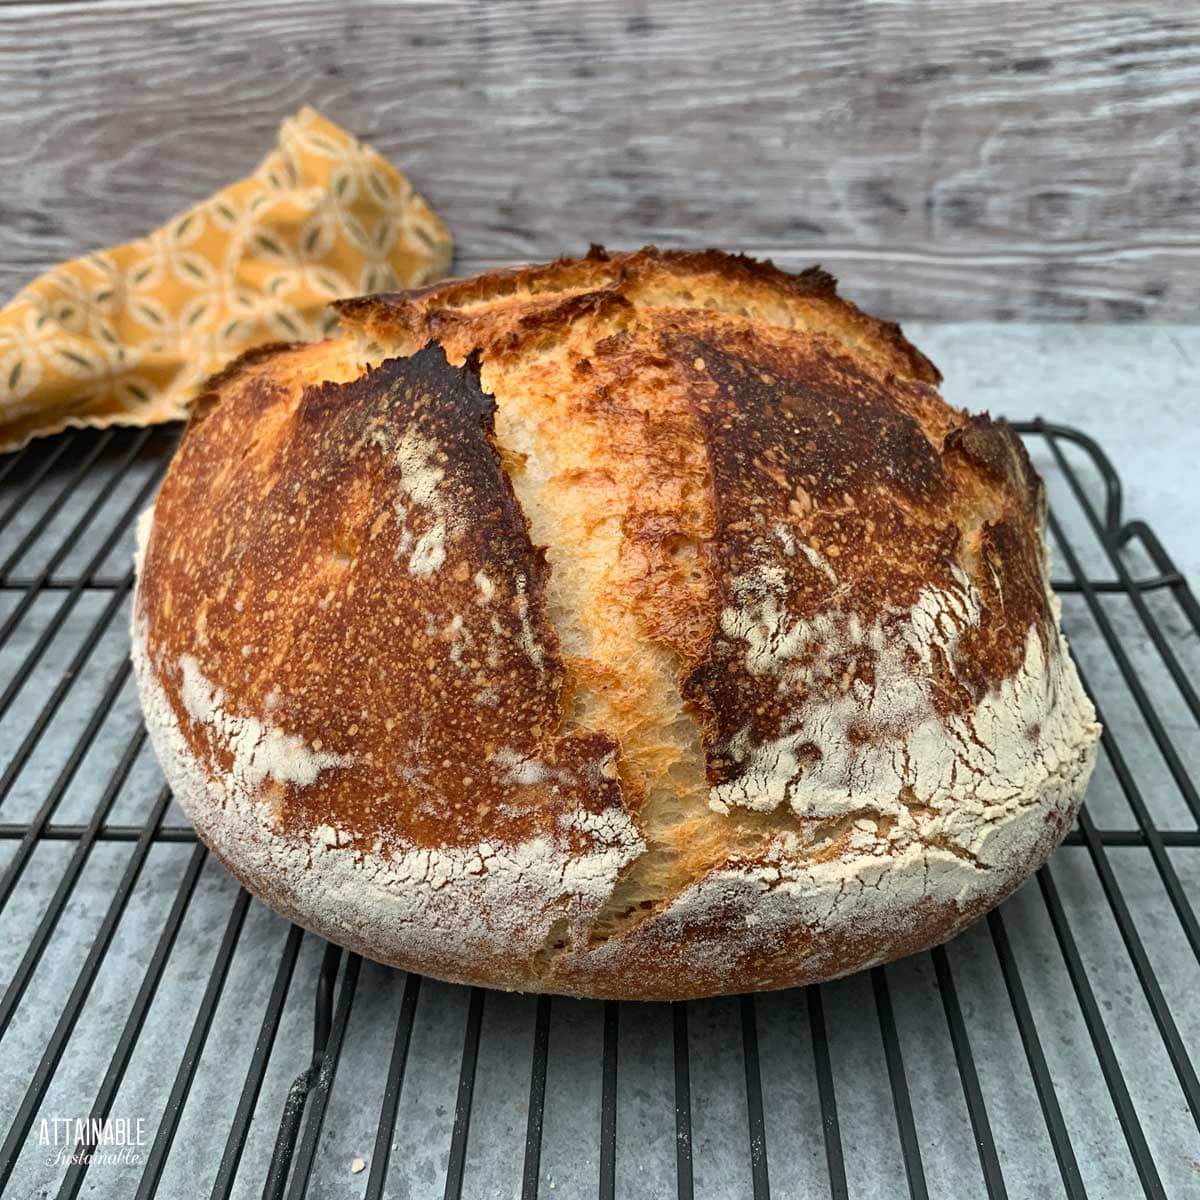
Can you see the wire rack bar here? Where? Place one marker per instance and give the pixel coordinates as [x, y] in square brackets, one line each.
[1145, 706]
[23, 673]
[257, 1070]
[391, 1093]
[17, 459]
[62, 892]
[54, 700]
[1169, 838]
[35, 531]
[175, 834]
[72, 539]
[685, 1183]
[169, 1125]
[1177, 1052]
[608, 1103]
[318, 1096]
[531, 1168]
[466, 1097]
[1145, 972]
[759, 1172]
[62, 583]
[57, 450]
[1149, 714]
[1060, 1139]
[293, 1108]
[1181, 592]
[1149, 835]
[834, 1159]
[1131, 1126]
[1106, 537]
[35, 829]
[905, 1125]
[992, 1176]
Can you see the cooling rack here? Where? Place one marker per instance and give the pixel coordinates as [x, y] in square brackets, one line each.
[1049, 1050]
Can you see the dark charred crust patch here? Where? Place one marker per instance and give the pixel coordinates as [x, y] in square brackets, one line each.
[830, 497]
[369, 585]
[829, 429]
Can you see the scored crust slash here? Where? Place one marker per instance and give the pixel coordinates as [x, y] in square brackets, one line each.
[637, 626]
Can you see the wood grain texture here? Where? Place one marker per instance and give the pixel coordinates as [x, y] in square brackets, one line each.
[946, 160]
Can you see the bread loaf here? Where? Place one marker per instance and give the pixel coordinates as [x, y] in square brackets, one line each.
[638, 626]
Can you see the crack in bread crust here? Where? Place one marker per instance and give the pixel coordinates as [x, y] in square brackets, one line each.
[365, 595]
[658, 632]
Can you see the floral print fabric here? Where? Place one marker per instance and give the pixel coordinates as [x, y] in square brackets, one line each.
[124, 336]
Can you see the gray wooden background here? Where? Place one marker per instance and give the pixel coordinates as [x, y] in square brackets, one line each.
[1034, 160]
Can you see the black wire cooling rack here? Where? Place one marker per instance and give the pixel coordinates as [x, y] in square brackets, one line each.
[1047, 1051]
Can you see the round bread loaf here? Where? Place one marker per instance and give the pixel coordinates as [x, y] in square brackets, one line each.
[639, 626]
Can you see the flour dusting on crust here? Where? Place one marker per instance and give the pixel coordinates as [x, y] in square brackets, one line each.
[259, 750]
[789, 907]
[422, 486]
[884, 744]
[496, 902]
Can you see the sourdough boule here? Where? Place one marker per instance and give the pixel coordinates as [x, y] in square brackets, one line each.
[641, 626]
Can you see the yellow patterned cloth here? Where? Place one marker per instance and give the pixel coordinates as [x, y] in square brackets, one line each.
[124, 336]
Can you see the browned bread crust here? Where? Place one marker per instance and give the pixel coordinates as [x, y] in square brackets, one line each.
[643, 625]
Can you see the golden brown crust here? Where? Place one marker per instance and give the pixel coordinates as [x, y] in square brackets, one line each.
[310, 608]
[548, 296]
[657, 632]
